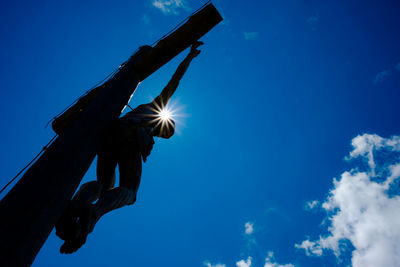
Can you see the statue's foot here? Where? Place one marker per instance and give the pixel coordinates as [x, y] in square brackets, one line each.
[67, 226]
[87, 221]
[70, 246]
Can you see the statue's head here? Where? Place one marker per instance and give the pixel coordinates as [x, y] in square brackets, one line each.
[164, 129]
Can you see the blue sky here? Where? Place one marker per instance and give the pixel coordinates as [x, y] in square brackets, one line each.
[285, 97]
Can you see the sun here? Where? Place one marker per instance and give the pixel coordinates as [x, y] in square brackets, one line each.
[165, 114]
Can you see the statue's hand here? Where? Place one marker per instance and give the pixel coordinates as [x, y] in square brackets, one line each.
[193, 49]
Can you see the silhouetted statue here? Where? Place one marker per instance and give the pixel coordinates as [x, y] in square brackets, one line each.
[129, 141]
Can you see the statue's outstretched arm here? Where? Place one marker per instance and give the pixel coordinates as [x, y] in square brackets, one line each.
[170, 89]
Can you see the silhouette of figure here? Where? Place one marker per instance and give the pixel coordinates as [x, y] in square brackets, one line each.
[129, 142]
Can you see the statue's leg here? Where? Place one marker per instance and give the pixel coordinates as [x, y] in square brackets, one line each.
[72, 226]
[130, 171]
[106, 163]
[67, 225]
[87, 193]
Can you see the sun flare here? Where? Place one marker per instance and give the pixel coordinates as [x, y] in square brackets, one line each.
[165, 114]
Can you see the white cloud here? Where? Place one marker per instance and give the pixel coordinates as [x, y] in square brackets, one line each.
[310, 205]
[248, 228]
[250, 35]
[365, 145]
[208, 264]
[360, 209]
[311, 248]
[170, 6]
[270, 261]
[243, 263]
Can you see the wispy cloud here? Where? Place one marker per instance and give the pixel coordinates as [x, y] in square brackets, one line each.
[145, 19]
[397, 66]
[250, 35]
[271, 262]
[310, 247]
[313, 22]
[249, 236]
[383, 75]
[244, 263]
[363, 207]
[366, 145]
[248, 228]
[209, 264]
[310, 205]
[170, 6]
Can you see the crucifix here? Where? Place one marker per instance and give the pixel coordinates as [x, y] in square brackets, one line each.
[32, 207]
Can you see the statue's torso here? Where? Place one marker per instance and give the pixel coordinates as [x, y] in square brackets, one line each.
[133, 133]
